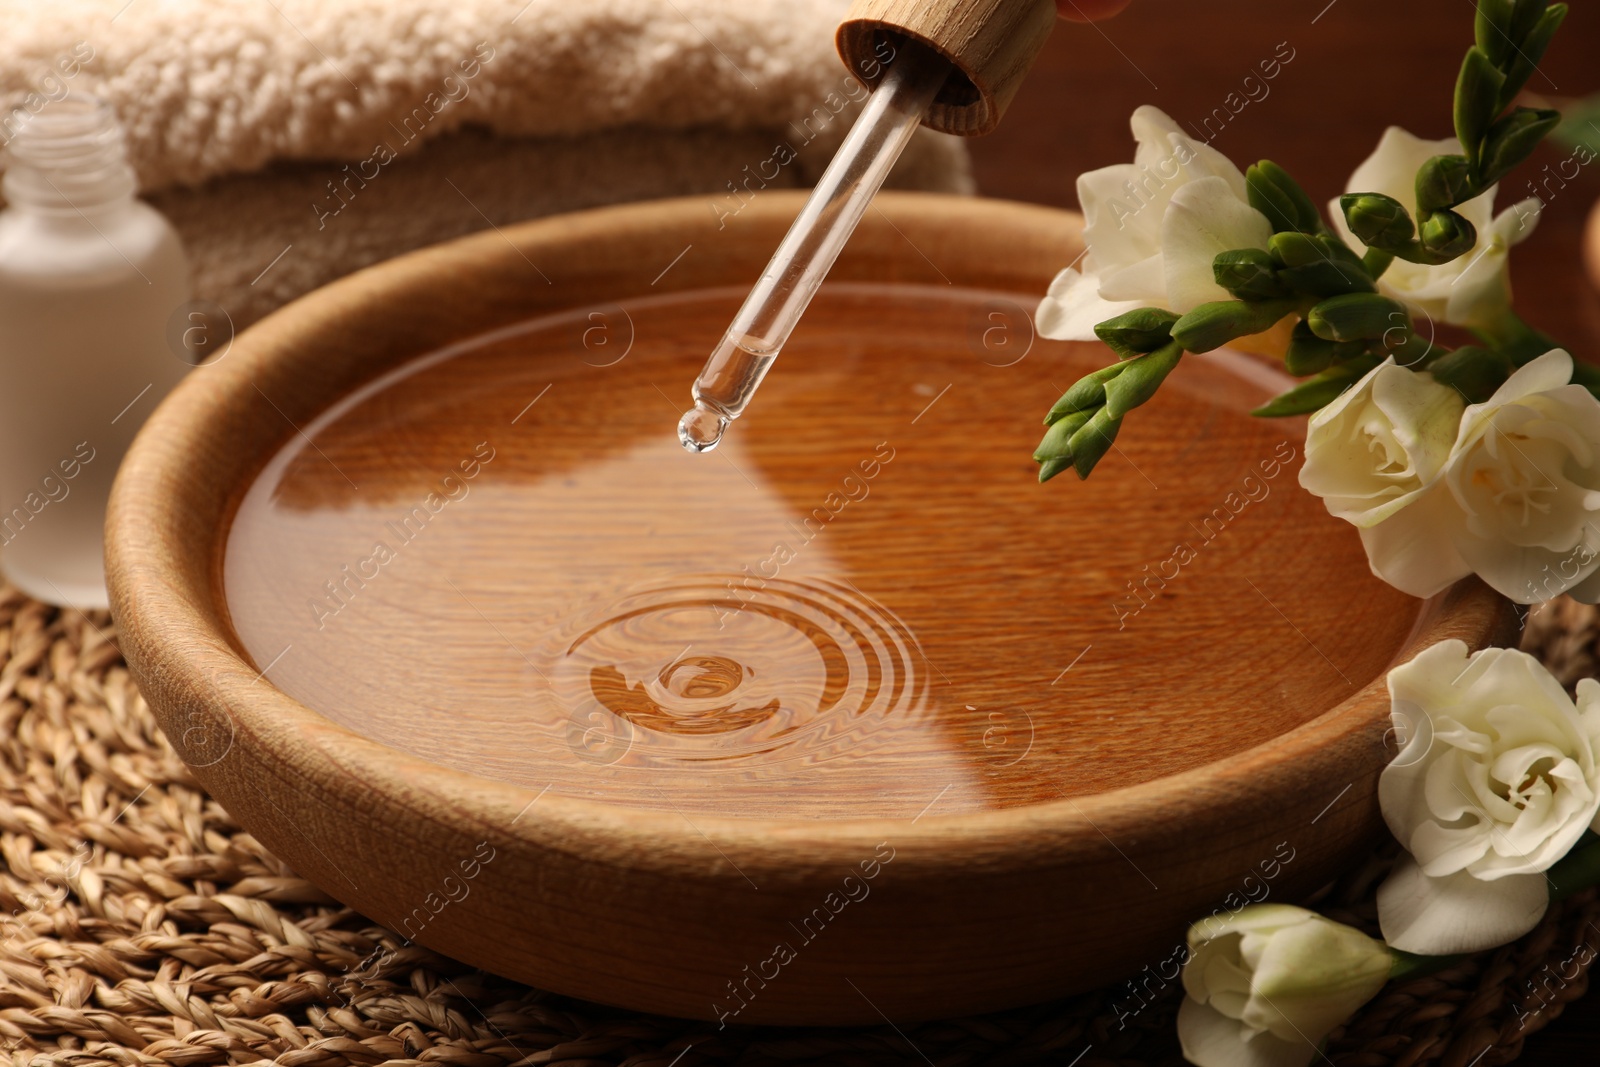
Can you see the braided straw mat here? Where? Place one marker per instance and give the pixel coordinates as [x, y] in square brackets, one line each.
[144, 927]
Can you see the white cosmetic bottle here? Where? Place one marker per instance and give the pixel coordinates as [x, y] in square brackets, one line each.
[89, 278]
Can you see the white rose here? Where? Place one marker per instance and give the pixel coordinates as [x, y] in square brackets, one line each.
[1497, 780]
[1152, 228]
[1267, 983]
[1516, 501]
[1381, 444]
[1472, 290]
[1525, 474]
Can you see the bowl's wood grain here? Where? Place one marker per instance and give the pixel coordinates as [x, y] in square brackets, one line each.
[684, 912]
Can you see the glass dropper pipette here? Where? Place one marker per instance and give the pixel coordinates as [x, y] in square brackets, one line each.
[773, 308]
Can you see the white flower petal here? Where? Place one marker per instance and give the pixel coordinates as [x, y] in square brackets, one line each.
[1479, 211]
[1143, 282]
[1460, 913]
[1443, 850]
[1525, 574]
[1525, 473]
[1073, 307]
[1588, 590]
[1150, 124]
[1427, 297]
[1211, 1039]
[1588, 704]
[1516, 223]
[1393, 165]
[1128, 210]
[1314, 975]
[1119, 226]
[1205, 218]
[1257, 918]
[1166, 151]
[1425, 416]
[1380, 444]
[1498, 778]
[1413, 551]
[1549, 371]
[1481, 290]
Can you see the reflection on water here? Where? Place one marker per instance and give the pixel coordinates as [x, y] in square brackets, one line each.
[713, 670]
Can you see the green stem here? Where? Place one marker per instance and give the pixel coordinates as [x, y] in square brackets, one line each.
[1506, 330]
[1415, 351]
[1377, 261]
[1511, 335]
[1408, 965]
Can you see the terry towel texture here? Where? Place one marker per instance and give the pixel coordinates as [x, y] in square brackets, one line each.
[292, 141]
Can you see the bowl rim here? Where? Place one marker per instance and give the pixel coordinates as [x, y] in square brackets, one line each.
[162, 599]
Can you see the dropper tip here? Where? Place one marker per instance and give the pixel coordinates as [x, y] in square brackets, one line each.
[701, 428]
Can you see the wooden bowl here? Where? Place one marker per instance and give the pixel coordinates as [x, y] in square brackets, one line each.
[479, 650]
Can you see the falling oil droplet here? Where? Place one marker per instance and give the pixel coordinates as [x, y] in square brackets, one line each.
[701, 428]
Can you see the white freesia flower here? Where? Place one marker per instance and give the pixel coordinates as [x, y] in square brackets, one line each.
[1152, 228]
[1525, 472]
[1472, 290]
[1267, 983]
[1517, 501]
[1497, 780]
[1381, 444]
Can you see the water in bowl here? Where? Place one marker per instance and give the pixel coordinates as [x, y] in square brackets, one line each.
[500, 558]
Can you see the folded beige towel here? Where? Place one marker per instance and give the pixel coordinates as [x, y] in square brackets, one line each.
[292, 141]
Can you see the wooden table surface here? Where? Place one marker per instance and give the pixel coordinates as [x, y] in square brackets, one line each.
[1355, 67]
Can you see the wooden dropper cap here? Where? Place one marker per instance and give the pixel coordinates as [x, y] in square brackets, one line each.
[992, 43]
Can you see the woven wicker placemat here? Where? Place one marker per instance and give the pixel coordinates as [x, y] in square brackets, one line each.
[142, 926]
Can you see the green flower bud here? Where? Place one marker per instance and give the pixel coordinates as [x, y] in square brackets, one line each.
[1248, 274]
[1296, 249]
[1279, 197]
[1329, 278]
[1052, 467]
[1313, 393]
[1078, 440]
[1447, 235]
[1309, 354]
[1338, 250]
[1214, 324]
[1140, 380]
[1357, 317]
[1319, 265]
[1086, 393]
[1520, 64]
[1056, 443]
[1477, 100]
[1136, 332]
[1444, 181]
[1475, 372]
[1093, 441]
[1379, 221]
[1513, 139]
[1492, 30]
[1525, 15]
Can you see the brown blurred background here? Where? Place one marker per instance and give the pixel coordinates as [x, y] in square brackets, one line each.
[1357, 66]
